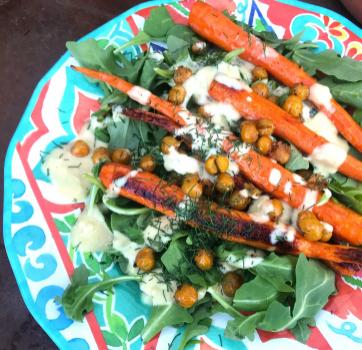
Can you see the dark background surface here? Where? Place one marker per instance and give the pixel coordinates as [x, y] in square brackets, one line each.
[32, 38]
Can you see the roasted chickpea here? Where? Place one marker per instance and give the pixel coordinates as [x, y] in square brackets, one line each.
[225, 183]
[265, 126]
[293, 105]
[177, 94]
[210, 165]
[148, 163]
[192, 186]
[326, 235]
[168, 142]
[181, 74]
[273, 99]
[259, 73]
[204, 259]
[203, 113]
[249, 133]
[310, 226]
[145, 259]
[222, 163]
[280, 152]
[199, 48]
[223, 199]
[207, 188]
[277, 210]
[80, 149]
[305, 174]
[230, 283]
[100, 154]
[122, 155]
[264, 144]
[186, 296]
[239, 201]
[254, 192]
[301, 90]
[261, 89]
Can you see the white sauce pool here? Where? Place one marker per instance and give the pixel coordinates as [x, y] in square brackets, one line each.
[320, 95]
[275, 177]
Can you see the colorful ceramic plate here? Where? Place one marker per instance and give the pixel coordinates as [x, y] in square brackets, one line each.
[37, 221]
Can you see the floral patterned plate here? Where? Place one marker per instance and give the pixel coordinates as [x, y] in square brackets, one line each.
[37, 221]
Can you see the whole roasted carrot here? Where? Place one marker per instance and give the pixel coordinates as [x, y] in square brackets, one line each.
[253, 106]
[344, 269]
[149, 190]
[218, 29]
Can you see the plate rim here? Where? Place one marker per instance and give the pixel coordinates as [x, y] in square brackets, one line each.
[7, 203]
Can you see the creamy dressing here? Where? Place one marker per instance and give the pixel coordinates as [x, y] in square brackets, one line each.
[327, 226]
[288, 188]
[181, 163]
[159, 232]
[225, 267]
[275, 177]
[279, 91]
[310, 200]
[66, 171]
[222, 114]
[232, 82]
[306, 112]
[320, 95]
[252, 258]
[91, 232]
[244, 193]
[282, 234]
[139, 94]
[245, 67]
[233, 168]
[260, 209]
[298, 179]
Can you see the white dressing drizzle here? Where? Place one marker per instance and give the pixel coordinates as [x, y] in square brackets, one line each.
[320, 95]
[139, 94]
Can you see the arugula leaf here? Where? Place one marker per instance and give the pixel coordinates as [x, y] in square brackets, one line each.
[342, 92]
[357, 116]
[163, 316]
[159, 22]
[199, 326]
[243, 327]
[257, 295]
[176, 46]
[148, 75]
[102, 135]
[183, 32]
[89, 55]
[278, 270]
[301, 330]
[348, 195]
[137, 67]
[296, 161]
[77, 297]
[116, 97]
[141, 38]
[228, 58]
[329, 62]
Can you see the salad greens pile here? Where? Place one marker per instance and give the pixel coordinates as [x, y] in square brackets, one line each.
[277, 293]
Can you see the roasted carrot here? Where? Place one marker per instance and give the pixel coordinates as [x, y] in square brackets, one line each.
[253, 106]
[149, 190]
[347, 225]
[345, 269]
[138, 94]
[216, 28]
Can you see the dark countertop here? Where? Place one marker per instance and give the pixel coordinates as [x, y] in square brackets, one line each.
[32, 37]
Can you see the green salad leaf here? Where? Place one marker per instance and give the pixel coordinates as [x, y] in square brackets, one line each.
[159, 22]
[296, 161]
[77, 297]
[301, 330]
[331, 63]
[350, 196]
[278, 270]
[163, 316]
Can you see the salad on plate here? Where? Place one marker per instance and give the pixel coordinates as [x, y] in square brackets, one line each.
[222, 174]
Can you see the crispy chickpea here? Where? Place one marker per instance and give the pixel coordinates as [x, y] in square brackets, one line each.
[273, 99]
[310, 226]
[80, 149]
[254, 192]
[225, 183]
[207, 188]
[238, 201]
[306, 174]
[192, 186]
[148, 163]
[122, 155]
[265, 126]
[259, 73]
[222, 199]
[181, 74]
[261, 89]
[210, 165]
[249, 133]
[301, 90]
[264, 144]
[168, 142]
[199, 47]
[204, 259]
[145, 259]
[277, 210]
[177, 94]
[100, 154]
[294, 106]
[203, 113]
[222, 163]
[230, 283]
[280, 152]
[326, 235]
[186, 296]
